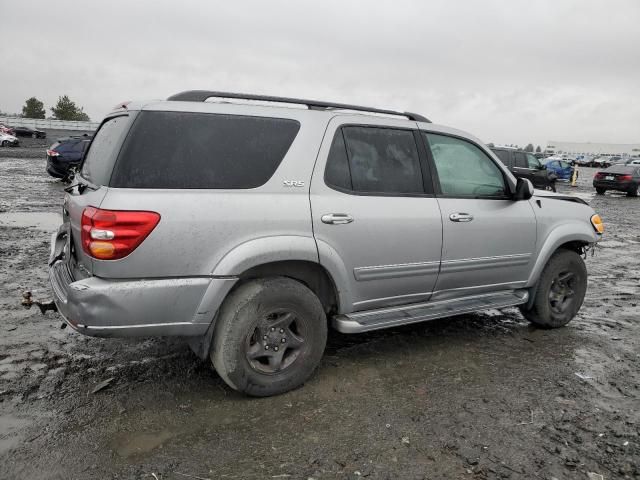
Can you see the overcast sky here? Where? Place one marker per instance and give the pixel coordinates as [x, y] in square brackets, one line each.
[509, 71]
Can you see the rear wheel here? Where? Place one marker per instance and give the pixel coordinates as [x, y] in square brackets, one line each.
[269, 337]
[561, 290]
[5, 143]
[600, 191]
[633, 192]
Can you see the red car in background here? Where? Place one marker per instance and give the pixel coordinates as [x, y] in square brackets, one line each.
[7, 130]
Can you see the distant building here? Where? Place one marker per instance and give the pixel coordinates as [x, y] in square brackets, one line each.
[622, 149]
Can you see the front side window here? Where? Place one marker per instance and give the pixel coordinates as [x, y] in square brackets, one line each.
[463, 169]
[375, 160]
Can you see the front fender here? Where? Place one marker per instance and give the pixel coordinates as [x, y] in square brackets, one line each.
[568, 232]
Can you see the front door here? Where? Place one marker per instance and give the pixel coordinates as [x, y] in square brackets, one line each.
[376, 221]
[488, 238]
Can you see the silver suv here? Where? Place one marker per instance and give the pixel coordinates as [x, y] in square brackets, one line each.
[249, 223]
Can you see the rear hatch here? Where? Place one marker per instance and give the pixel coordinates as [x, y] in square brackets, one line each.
[91, 183]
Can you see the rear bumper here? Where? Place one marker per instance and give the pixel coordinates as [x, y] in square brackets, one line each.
[126, 308]
[613, 185]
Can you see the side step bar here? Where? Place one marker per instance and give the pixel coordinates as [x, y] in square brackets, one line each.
[419, 312]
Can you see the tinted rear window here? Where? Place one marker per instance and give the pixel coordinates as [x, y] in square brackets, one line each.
[201, 150]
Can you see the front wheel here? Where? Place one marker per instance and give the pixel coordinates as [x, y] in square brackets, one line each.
[5, 143]
[600, 191]
[269, 337]
[561, 289]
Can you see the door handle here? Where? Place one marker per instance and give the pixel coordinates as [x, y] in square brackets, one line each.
[336, 218]
[460, 217]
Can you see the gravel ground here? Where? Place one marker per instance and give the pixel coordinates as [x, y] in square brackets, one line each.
[478, 396]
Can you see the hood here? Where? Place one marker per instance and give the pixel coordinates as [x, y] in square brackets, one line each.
[557, 196]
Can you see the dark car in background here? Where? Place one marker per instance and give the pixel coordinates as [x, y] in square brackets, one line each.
[28, 132]
[525, 165]
[622, 178]
[65, 154]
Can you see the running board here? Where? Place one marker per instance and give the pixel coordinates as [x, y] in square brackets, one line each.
[420, 312]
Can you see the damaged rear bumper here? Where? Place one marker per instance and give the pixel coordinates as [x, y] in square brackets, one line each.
[137, 307]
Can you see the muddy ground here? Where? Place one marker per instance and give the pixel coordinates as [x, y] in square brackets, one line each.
[475, 396]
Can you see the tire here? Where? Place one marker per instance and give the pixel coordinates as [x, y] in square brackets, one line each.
[560, 293]
[552, 187]
[633, 192]
[600, 191]
[33, 135]
[5, 143]
[253, 321]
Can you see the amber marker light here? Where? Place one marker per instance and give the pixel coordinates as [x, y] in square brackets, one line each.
[597, 223]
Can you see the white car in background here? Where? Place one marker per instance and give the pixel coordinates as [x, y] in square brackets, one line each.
[7, 140]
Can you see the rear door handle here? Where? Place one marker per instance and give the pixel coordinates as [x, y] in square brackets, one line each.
[460, 217]
[336, 218]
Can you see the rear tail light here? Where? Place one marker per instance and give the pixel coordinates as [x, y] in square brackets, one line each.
[114, 234]
[52, 153]
[599, 175]
[624, 178]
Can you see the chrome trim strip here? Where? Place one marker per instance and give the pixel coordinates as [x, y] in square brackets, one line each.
[395, 271]
[481, 263]
[510, 286]
[387, 299]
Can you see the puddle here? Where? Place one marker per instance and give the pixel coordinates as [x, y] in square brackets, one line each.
[136, 444]
[10, 432]
[45, 221]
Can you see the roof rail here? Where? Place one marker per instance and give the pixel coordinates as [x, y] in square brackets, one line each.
[202, 95]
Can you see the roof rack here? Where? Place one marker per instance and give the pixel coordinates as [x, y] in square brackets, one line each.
[202, 95]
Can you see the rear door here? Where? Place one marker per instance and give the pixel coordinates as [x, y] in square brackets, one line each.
[488, 238]
[375, 219]
[521, 167]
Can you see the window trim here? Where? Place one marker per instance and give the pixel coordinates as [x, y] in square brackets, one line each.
[427, 183]
[436, 179]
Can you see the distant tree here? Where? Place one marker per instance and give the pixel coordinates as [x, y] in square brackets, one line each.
[490, 145]
[33, 108]
[538, 149]
[528, 148]
[65, 109]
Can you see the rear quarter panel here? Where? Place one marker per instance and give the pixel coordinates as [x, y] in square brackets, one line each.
[199, 228]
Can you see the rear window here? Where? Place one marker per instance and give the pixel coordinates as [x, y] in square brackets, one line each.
[98, 163]
[201, 150]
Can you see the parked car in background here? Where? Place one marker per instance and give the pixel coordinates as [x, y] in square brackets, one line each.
[65, 154]
[29, 132]
[621, 178]
[603, 162]
[6, 129]
[249, 228]
[7, 140]
[525, 165]
[562, 169]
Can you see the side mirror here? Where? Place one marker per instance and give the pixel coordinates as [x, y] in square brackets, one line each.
[524, 189]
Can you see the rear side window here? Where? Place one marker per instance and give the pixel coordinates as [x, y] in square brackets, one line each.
[376, 160]
[520, 159]
[504, 156]
[98, 163]
[201, 150]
